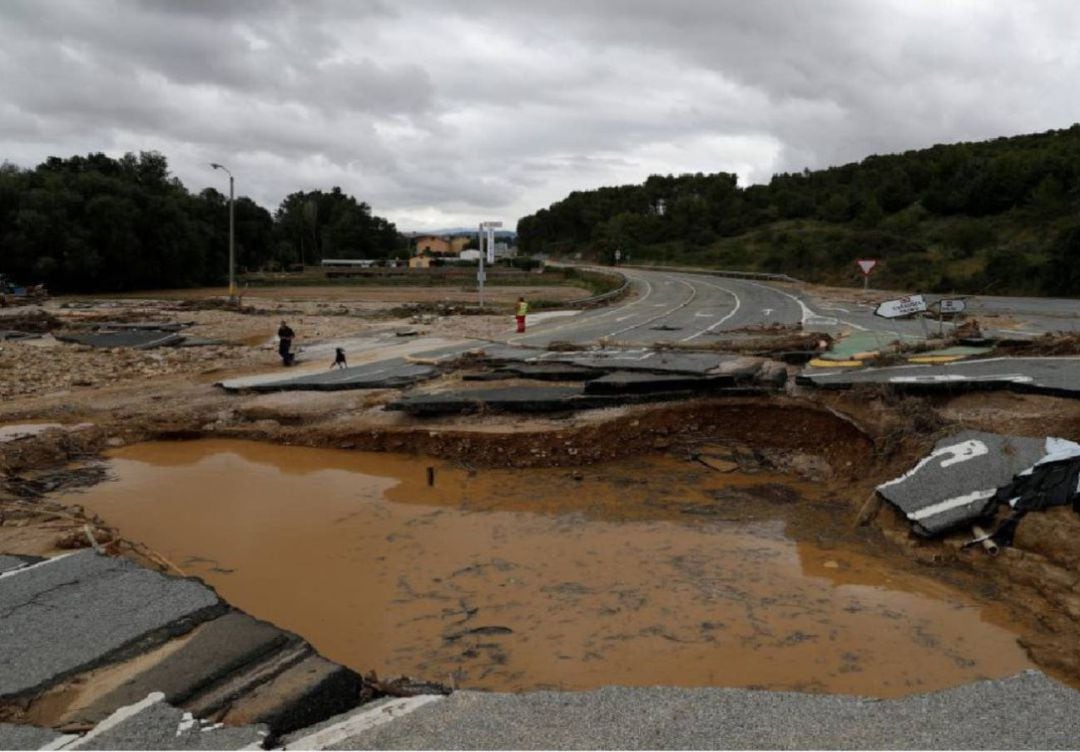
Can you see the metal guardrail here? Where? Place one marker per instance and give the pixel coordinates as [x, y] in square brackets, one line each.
[603, 297]
[621, 289]
[765, 276]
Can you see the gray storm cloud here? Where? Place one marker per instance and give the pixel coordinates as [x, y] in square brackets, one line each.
[440, 113]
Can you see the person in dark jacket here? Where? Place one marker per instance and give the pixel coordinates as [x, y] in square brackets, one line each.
[339, 358]
[285, 338]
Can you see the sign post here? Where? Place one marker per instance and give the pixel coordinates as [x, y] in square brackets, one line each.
[948, 305]
[866, 266]
[894, 309]
[486, 228]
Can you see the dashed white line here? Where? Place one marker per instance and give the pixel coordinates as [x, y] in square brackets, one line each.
[738, 304]
[693, 294]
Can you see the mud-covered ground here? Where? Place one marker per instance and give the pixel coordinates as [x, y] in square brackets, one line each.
[844, 442]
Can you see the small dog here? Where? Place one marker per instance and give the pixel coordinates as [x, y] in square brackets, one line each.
[339, 358]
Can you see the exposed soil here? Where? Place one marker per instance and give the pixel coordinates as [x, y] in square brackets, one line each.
[844, 442]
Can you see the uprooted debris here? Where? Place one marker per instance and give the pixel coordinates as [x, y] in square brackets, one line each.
[970, 475]
[1049, 344]
[32, 321]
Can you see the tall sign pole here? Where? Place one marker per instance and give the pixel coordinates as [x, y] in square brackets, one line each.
[232, 233]
[489, 227]
[480, 273]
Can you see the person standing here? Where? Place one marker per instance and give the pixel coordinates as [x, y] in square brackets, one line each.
[285, 338]
[519, 314]
[339, 358]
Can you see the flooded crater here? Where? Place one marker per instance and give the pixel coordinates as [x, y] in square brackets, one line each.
[646, 571]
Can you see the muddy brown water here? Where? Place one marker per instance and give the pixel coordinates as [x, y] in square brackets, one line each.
[650, 571]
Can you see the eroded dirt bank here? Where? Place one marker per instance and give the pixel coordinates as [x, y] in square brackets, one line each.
[841, 444]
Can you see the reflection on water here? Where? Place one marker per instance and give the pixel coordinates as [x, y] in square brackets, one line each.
[649, 571]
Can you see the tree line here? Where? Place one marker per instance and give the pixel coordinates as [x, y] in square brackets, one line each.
[95, 223]
[998, 216]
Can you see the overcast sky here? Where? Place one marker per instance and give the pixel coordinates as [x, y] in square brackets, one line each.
[446, 113]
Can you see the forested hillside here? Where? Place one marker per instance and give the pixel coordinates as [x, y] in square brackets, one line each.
[100, 224]
[999, 216]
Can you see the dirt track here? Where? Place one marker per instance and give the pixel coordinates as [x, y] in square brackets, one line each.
[846, 442]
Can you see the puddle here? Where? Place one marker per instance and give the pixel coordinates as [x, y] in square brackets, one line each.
[650, 571]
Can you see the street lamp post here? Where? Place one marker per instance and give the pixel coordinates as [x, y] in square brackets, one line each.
[232, 234]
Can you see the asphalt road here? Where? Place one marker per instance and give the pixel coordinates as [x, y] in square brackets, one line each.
[675, 307]
[669, 307]
[1028, 711]
[1048, 375]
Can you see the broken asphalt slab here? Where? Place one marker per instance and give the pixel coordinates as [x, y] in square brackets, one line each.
[215, 650]
[73, 612]
[661, 361]
[1027, 711]
[955, 484]
[149, 326]
[632, 382]
[507, 399]
[18, 736]
[84, 637]
[1057, 376]
[136, 338]
[394, 373]
[10, 563]
[154, 724]
[537, 372]
[552, 399]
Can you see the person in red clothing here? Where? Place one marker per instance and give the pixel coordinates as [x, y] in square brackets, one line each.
[522, 309]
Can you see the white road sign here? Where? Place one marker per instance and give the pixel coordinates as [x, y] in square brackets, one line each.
[486, 225]
[892, 309]
[951, 305]
[866, 266]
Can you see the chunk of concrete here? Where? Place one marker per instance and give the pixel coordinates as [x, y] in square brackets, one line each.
[74, 612]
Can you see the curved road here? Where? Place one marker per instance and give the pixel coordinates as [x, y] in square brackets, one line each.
[670, 307]
[680, 307]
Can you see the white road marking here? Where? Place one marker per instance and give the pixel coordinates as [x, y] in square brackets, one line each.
[693, 294]
[362, 721]
[28, 567]
[945, 506]
[118, 716]
[809, 317]
[953, 454]
[943, 378]
[717, 323]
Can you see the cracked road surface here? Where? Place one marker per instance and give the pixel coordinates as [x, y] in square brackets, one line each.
[69, 613]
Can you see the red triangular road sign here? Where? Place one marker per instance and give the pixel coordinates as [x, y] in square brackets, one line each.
[866, 265]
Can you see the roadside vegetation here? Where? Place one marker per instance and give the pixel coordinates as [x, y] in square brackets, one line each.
[1000, 216]
[505, 273]
[98, 224]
